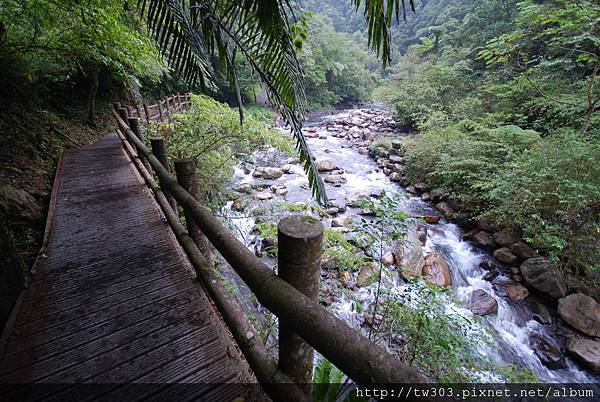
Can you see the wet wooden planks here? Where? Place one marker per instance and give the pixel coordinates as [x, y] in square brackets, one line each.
[114, 300]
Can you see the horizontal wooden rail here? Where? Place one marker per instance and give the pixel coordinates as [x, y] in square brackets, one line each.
[353, 353]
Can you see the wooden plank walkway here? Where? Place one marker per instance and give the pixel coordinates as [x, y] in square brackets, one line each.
[113, 300]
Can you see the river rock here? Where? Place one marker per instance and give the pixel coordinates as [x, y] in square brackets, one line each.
[505, 239]
[581, 312]
[409, 255]
[363, 150]
[396, 159]
[431, 219]
[436, 269]
[482, 303]
[366, 276]
[425, 197]
[587, 351]
[522, 250]
[484, 239]
[436, 195]
[339, 204]
[335, 179]
[395, 176]
[420, 186]
[240, 204]
[511, 289]
[445, 209]
[244, 188]
[543, 276]
[263, 195]
[281, 191]
[504, 255]
[287, 168]
[548, 353]
[345, 277]
[397, 144]
[387, 259]
[325, 165]
[338, 222]
[328, 262]
[267, 172]
[487, 225]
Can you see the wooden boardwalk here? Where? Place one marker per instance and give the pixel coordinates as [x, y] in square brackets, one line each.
[113, 299]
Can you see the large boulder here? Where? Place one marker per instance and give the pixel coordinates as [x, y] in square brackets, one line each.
[587, 351]
[335, 179]
[543, 276]
[482, 303]
[511, 289]
[505, 239]
[484, 239]
[504, 255]
[367, 276]
[409, 255]
[436, 269]
[267, 172]
[522, 250]
[445, 209]
[325, 165]
[548, 353]
[581, 312]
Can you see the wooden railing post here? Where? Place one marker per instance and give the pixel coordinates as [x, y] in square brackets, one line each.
[168, 108]
[185, 170]
[160, 111]
[160, 151]
[134, 124]
[299, 252]
[146, 112]
[124, 114]
[138, 110]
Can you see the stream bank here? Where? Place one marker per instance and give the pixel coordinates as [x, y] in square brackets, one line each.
[359, 161]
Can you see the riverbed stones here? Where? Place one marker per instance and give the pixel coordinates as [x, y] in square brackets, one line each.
[445, 209]
[245, 188]
[436, 195]
[581, 312]
[338, 222]
[266, 172]
[409, 255]
[548, 353]
[482, 303]
[522, 250]
[504, 255]
[586, 351]
[397, 144]
[387, 259]
[505, 239]
[436, 269]
[335, 179]
[511, 289]
[420, 186]
[262, 195]
[367, 276]
[484, 240]
[395, 176]
[542, 275]
[325, 165]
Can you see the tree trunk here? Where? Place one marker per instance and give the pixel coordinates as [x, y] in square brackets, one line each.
[91, 117]
[590, 97]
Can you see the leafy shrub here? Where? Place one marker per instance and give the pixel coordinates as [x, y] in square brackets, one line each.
[552, 192]
[380, 146]
[210, 132]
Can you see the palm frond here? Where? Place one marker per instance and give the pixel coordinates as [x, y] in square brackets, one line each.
[380, 15]
[193, 33]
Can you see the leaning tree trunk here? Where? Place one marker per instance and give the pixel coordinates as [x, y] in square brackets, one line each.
[91, 117]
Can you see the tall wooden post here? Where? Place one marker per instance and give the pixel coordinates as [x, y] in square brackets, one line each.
[160, 111]
[139, 112]
[134, 124]
[168, 108]
[178, 101]
[299, 252]
[160, 151]
[124, 114]
[185, 169]
[147, 113]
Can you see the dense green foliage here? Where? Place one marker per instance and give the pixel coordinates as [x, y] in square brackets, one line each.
[337, 69]
[55, 43]
[506, 110]
[210, 133]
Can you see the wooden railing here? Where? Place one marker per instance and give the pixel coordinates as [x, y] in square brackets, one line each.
[161, 110]
[300, 315]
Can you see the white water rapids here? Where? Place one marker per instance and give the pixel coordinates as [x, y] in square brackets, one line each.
[513, 322]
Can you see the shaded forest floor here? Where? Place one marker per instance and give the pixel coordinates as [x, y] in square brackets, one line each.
[33, 136]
